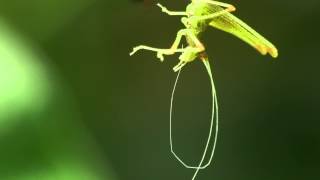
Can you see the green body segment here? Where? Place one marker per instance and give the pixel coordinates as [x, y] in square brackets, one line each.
[229, 23]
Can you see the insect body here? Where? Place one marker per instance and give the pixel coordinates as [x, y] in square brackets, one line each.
[199, 15]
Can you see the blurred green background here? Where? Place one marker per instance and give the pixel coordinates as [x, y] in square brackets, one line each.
[75, 106]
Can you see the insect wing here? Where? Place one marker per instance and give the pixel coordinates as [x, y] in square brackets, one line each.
[231, 24]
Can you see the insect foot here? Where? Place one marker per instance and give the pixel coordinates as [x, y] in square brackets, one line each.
[162, 52]
[163, 9]
[160, 56]
[135, 49]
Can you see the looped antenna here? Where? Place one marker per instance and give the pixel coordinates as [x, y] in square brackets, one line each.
[214, 115]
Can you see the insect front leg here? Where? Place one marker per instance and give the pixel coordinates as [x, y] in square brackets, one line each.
[180, 34]
[160, 52]
[174, 47]
[172, 13]
[229, 7]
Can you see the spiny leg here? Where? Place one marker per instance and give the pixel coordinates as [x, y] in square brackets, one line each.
[228, 8]
[174, 46]
[149, 48]
[199, 46]
[226, 5]
[161, 52]
[172, 13]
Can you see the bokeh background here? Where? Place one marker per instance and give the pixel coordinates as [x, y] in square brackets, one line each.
[75, 106]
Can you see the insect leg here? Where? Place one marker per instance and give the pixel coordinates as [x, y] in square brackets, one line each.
[159, 51]
[172, 13]
[229, 7]
[199, 46]
[216, 14]
[164, 51]
[180, 34]
[174, 47]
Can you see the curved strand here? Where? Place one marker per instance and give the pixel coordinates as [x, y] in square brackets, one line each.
[214, 107]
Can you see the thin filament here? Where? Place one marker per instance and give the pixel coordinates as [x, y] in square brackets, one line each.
[213, 116]
[214, 108]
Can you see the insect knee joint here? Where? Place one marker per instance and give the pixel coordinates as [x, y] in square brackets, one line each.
[182, 32]
[231, 8]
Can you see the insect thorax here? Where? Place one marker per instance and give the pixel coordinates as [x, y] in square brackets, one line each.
[198, 9]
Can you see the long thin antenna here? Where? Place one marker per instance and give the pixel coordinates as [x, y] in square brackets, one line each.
[214, 108]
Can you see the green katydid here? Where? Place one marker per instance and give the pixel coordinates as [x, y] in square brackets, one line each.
[198, 16]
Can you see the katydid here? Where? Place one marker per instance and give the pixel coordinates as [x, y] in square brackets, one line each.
[200, 14]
